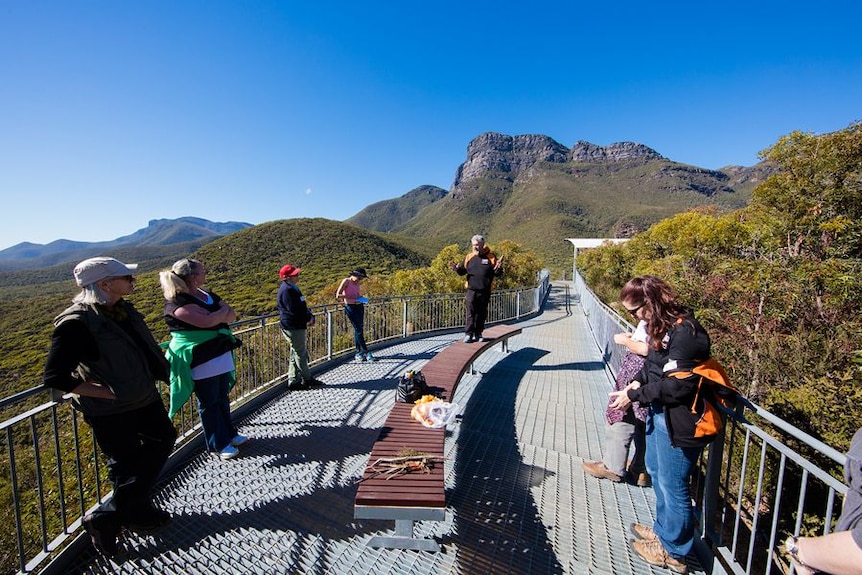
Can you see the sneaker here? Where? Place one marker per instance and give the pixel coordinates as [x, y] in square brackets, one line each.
[359, 357]
[644, 532]
[370, 357]
[654, 553]
[468, 338]
[228, 452]
[151, 520]
[104, 540]
[238, 440]
[598, 469]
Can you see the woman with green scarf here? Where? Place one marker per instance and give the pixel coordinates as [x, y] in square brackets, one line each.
[201, 353]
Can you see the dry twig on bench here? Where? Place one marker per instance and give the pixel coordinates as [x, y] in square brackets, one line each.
[390, 467]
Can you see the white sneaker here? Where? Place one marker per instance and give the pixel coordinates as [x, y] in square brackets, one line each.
[238, 440]
[228, 452]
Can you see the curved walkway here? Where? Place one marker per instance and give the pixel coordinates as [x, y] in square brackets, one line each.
[519, 501]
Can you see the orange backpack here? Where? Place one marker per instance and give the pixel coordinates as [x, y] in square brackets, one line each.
[715, 396]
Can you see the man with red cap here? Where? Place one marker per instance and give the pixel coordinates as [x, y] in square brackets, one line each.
[295, 317]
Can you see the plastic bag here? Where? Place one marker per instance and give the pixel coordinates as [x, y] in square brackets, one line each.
[435, 414]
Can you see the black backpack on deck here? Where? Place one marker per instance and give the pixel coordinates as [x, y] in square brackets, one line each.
[411, 387]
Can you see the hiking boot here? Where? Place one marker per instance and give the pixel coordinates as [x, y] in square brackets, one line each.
[151, 519]
[104, 540]
[654, 553]
[644, 532]
[598, 469]
[238, 440]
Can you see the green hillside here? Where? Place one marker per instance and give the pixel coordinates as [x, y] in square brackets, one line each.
[243, 270]
[554, 201]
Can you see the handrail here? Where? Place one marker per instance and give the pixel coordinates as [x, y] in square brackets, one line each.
[759, 482]
[53, 469]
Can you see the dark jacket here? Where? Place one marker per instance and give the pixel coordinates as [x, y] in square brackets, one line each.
[479, 269]
[293, 310]
[202, 352]
[684, 345]
[89, 344]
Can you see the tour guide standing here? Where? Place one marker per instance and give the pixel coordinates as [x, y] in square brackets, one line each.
[103, 353]
[480, 266]
[295, 319]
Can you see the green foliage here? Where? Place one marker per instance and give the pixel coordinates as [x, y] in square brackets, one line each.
[775, 283]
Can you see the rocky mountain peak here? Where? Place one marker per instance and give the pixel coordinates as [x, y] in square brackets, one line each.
[501, 156]
[619, 152]
[506, 156]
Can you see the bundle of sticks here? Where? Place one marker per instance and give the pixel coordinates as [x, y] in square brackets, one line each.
[390, 467]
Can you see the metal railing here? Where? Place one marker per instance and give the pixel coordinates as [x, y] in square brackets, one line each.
[762, 480]
[54, 474]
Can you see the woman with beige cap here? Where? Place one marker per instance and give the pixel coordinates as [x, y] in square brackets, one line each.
[104, 355]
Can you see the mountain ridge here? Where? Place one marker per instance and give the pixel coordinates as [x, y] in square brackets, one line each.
[159, 232]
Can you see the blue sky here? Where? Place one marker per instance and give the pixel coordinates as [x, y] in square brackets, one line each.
[115, 113]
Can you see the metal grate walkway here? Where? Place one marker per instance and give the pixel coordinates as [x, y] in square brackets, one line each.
[519, 501]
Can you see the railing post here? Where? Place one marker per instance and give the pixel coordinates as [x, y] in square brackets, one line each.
[403, 317]
[329, 334]
[517, 305]
[710, 489]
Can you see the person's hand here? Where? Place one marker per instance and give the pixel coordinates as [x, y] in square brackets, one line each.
[94, 389]
[622, 338]
[499, 263]
[619, 400]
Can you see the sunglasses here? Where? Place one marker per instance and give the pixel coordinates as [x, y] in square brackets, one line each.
[635, 310]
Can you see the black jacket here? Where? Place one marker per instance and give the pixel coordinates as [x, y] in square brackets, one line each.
[684, 345]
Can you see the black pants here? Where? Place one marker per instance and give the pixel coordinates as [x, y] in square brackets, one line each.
[477, 311]
[136, 444]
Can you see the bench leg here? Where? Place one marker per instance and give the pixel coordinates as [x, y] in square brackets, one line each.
[403, 539]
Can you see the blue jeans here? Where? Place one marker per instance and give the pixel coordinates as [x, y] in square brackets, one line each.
[214, 409]
[356, 315]
[670, 468]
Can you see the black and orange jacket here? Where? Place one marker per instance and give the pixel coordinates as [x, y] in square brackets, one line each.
[684, 346]
[479, 269]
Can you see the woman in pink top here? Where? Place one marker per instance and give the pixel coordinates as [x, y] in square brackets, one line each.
[350, 291]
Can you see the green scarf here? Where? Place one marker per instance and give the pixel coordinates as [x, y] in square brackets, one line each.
[179, 354]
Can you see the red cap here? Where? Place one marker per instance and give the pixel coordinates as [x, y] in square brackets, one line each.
[289, 272]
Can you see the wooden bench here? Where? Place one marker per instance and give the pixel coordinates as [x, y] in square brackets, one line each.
[415, 497]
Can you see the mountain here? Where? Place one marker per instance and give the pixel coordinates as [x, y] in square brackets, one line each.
[533, 190]
[187, 231]
[389, 214]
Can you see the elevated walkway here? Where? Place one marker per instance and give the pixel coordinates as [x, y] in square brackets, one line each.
[519, 501]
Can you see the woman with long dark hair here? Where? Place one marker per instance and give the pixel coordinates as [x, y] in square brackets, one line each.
[677, 344]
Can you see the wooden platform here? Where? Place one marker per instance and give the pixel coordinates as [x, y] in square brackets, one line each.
[418, 496]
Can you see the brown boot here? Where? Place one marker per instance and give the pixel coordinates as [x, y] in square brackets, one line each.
[644, 480]
[654, 553]
[598, 469]
[644, 532]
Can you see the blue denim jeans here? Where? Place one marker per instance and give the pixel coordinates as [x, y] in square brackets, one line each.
[670, 468]
[214, 409]
[356, 315]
